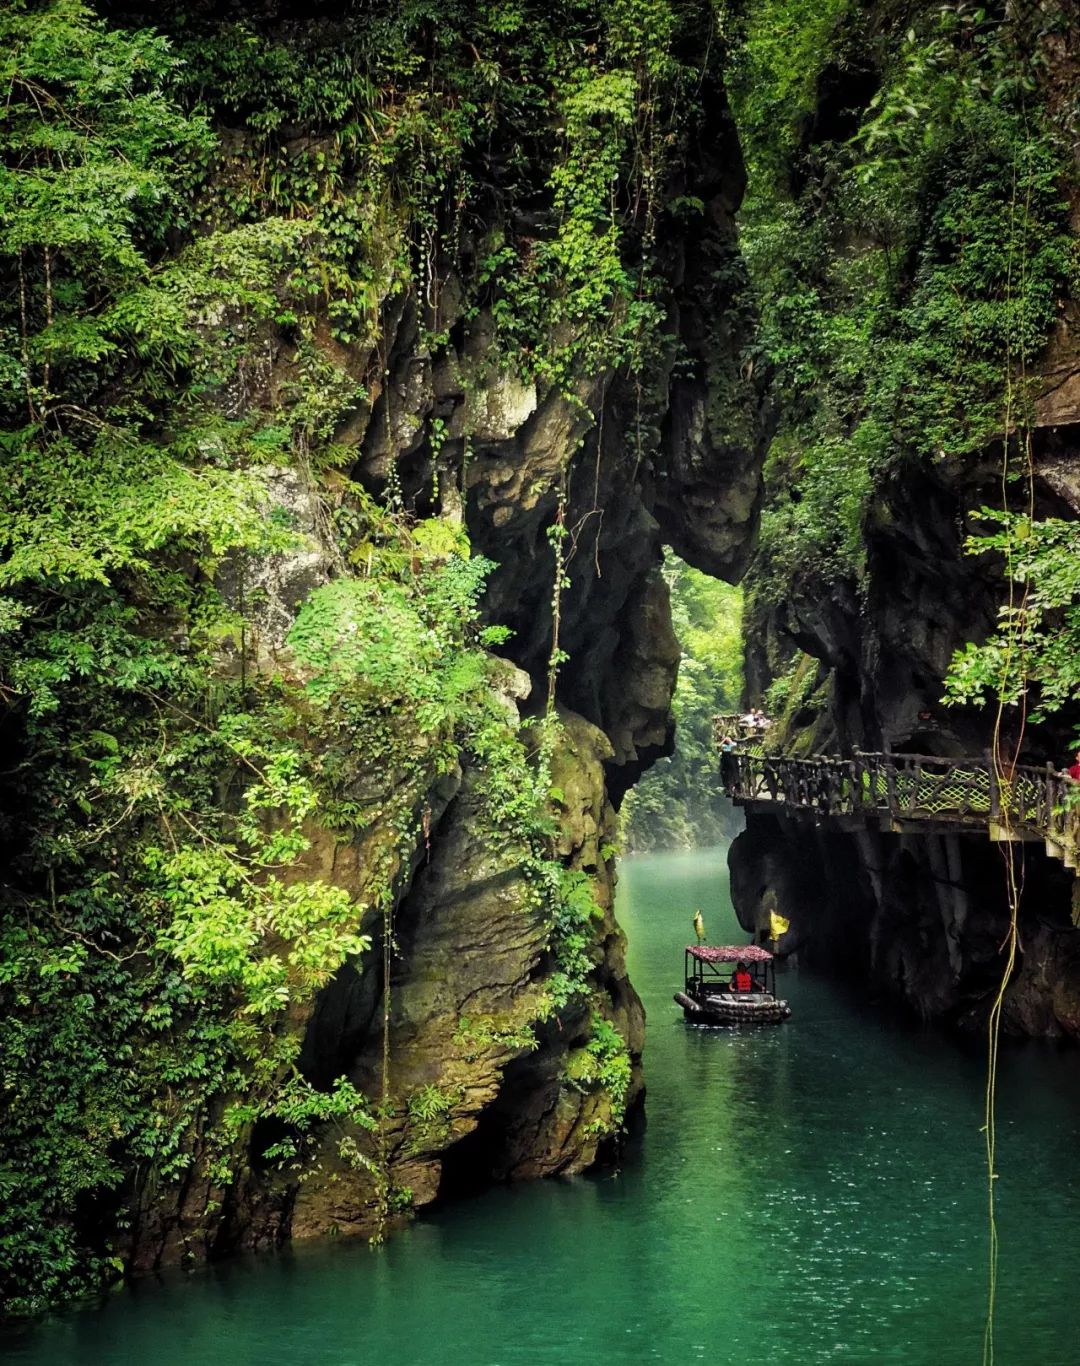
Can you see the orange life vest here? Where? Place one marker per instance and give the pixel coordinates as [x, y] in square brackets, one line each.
[743, 981]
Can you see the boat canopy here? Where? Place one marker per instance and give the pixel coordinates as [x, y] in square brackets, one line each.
[729, 953]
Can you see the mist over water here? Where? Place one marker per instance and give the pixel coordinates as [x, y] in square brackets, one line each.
[809, 1192]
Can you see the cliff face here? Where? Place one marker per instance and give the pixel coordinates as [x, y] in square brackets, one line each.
[879, 648]
[515, 1091]
[373, 410]
[850, 648]
[472, 1070]
[923, 918]
[917, 919]
[477, 1074]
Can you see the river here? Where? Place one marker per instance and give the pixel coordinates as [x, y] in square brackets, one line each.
[809, 1192]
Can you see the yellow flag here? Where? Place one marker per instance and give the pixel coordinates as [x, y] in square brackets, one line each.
[778, 925]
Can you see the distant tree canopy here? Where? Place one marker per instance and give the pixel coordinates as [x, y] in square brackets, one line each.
[679, 801]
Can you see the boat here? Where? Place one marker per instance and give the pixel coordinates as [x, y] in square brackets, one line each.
[710, 997]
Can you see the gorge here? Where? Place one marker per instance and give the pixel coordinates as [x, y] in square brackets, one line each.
[360, 365]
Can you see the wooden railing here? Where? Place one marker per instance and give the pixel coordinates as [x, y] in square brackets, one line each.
[1022, 802]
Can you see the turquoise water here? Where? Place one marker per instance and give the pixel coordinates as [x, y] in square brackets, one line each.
[813, 1192]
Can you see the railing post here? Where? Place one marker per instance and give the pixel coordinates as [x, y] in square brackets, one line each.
[834, 786]
[856, 779]
[890, 784]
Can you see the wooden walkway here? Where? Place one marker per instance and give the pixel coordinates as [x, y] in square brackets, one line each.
[913, 793]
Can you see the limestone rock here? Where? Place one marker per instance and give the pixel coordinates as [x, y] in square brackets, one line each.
[269, 589]
[467, 1000]
[482, 1079]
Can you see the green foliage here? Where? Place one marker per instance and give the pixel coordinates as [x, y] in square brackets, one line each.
[168, 937]
[475, 1036]
[430, 1110]
[579, 283]
[779, 49]
[429, 1104]
[305, 1111]
[176, 301]
[907, 266]
[604, 1064]
[154, 939]
[407, 104]
[112, 1048]
[75, 512]
[96, 153]
[679, 802]
[389, 642]
[1032, 655]
[569, 892]
[790, 690]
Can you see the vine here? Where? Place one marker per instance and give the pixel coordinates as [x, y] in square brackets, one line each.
[385, 1109]
[557, 534]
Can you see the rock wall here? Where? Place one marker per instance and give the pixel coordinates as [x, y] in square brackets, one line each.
[475, 1077]
[921, 917]
[880, 649]
[918, 919]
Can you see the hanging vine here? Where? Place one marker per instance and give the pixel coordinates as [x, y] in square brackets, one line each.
[382, 1189]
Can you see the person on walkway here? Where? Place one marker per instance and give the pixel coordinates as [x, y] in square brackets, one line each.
[728, 751]
[1074, 769]
[699, 926]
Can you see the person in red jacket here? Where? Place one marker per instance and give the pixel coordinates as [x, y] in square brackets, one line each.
[1074, 770]
[741, 979]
